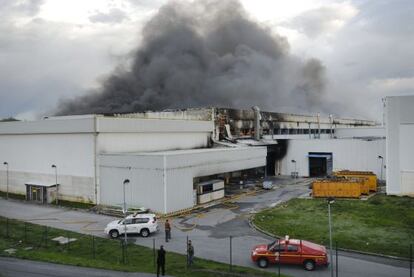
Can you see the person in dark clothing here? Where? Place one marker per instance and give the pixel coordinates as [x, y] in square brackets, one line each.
[190, 253]
[161, 261]
[167, 230]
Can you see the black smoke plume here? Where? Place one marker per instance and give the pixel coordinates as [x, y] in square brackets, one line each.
[207, 53]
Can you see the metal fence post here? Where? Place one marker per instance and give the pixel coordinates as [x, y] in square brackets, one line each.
[153, 252]
[67, 244]
[7, 227]
[231, 252]
[46, 236]
[411, 260]
[336, 258]
[25, 232]
[186, 246]
[122, 250]
[126, 252]
[93, 247]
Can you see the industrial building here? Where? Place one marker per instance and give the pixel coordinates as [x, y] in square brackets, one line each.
[400, 144]
[93, 154]
[177, 159]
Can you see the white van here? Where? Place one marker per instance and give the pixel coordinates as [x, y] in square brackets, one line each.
[143, 224]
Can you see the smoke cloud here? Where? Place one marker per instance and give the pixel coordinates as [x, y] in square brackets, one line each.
[207, 53]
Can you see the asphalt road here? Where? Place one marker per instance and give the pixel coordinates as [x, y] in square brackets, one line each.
[11, 267]
[210, 232]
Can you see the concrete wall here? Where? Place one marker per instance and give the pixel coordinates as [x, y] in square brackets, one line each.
[400, 145]
[30, 157]
[352, 154]
[163, 181]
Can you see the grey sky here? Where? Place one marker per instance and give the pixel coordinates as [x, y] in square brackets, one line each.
[365, 46]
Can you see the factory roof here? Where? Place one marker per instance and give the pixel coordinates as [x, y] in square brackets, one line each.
[102, 124]
[182, 152]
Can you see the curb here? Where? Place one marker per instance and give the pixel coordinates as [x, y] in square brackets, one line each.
[253, 226]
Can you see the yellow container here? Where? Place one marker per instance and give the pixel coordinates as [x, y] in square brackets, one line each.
[349, 188]
[372, 178]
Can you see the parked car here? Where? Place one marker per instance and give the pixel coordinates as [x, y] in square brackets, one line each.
[143, 224]
[290, 251]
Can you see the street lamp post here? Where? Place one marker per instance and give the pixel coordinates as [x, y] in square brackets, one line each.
[56, 182]
[330, 200]
[7, 179]
[295, 175]
[126, 182]
[382, 164]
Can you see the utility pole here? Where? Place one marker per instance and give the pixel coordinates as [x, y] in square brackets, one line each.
[330, 200]
[7, 179]
[56, 182]
[126, 182]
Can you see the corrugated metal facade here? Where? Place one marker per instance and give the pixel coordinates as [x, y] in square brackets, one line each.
[163, 181]
[351, 154]
[400, 145]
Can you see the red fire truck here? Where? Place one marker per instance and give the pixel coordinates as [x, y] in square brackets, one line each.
[290, 251]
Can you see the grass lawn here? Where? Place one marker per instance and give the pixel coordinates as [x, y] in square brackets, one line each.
[101, 253]
[382, 224]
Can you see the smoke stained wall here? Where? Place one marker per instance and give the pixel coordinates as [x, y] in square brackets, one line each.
[207, 53]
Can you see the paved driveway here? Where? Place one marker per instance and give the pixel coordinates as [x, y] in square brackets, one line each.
[210, 232]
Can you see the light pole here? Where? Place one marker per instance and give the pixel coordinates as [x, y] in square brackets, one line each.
[330, 200]
[382, 164]
[7, 179]
[295, 175]
[126, 182]
[57, 186]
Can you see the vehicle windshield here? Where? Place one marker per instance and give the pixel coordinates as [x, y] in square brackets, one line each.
[272, 244]
[119, 222]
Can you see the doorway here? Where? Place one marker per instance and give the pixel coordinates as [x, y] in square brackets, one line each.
[320, 164]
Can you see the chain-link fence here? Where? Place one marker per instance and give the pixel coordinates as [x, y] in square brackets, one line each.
[27, 239]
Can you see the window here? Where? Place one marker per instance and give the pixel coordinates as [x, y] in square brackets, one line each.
[207, 188]
[278, 247]
[127, 221]
[292, 248]
[141, 220]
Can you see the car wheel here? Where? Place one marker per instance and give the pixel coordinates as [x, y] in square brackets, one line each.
[309, 265]
[114, 234]
[145, 233]
[263, 262]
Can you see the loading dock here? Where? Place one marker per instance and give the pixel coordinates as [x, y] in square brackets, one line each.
[320, 164]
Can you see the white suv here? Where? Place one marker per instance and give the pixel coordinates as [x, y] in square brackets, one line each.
[143, 224]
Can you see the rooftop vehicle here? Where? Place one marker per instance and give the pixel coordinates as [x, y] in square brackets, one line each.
[290, 251]
[143, 224]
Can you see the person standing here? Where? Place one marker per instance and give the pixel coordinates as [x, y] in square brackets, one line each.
[190, 253]
[161, 261]
[167, 230]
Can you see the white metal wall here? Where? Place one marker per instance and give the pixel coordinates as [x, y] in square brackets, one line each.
[400, 145]
[183, 166]
[121, 135]
[30, 157]
[145, 173]
[145, 142]
[163, 181]
[352, 154]
[360, 132]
